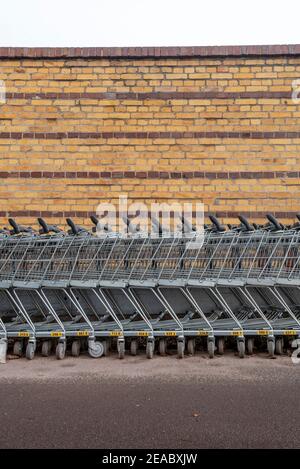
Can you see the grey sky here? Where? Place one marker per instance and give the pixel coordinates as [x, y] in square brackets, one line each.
[148, 23]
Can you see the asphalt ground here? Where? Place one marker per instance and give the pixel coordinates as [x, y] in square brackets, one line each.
[165, 402]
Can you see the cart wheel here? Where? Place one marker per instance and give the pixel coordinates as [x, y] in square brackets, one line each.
[211, 348]
[76, 345]
[180, 348]
[3, 350]
[279, 346]
[250, 345]
[18, 348]
[221, 344]
[30, 348]
[121, 349]
[105, 344]
[96, 349]
[271, 348]
[133, 347]
[191, 346]
[241, 348]
[46, 348]
[149, 349]
[60, 351]
[162, 346]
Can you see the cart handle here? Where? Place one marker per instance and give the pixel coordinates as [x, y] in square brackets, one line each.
[46, 229]
[245, 223]
[17, 229]
[75, 229]
[274, 221]
[219, 227]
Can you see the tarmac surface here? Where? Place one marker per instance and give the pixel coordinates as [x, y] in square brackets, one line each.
[165, 402]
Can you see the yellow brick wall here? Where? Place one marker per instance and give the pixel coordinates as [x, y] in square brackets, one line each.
[147, 133]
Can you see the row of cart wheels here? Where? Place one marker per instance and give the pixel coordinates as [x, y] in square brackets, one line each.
[274, 347]
[162, 348]
[97, 349]
[30, 349]
[190, 346]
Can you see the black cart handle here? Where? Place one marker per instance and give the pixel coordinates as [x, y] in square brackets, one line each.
[219, 227]
[17, 229]
[75, 229]
[245, 223]
[274, 221]
[46, 228]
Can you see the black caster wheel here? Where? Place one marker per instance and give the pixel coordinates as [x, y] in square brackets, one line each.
[271, 348]
[221, 345]
[241, 348]
[149, 349]
[250, 345]
[134, 347]
[46, 348]
[60, 351]
[30, 349]
[279, 346]
[211, 348]
[191, 346]
[162, 347]
[18, 348]
[76, 346]
[121, 349]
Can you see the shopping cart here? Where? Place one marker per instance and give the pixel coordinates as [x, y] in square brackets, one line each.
[89, 288]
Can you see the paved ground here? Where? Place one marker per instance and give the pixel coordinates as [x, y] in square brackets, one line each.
[161, 403]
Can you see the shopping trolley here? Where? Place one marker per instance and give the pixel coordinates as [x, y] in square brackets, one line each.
[84, 288]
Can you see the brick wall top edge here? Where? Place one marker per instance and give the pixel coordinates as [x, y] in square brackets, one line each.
[142, 52]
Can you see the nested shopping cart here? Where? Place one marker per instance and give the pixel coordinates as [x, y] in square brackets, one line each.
[14, 323]
[197, 289]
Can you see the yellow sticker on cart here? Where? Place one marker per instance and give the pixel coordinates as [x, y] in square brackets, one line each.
[56, 334]
[82, 333]
[290, 332]
[170, 333]
[143, 334]
[237, 333]
[115, 333]
[24, 334]
[263, 332]
[203, 333]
